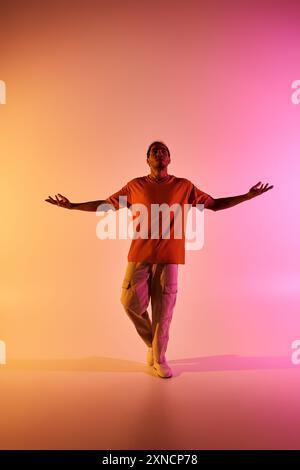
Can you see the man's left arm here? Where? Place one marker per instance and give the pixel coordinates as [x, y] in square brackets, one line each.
[226, 202]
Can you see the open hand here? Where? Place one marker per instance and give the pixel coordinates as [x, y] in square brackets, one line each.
[258, 189]
[61, 201]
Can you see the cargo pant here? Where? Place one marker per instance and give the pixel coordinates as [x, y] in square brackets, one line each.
[158, 282]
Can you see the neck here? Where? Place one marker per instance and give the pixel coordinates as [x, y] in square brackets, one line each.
[159, 173]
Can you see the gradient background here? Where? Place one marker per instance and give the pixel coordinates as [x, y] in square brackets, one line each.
[89, 86]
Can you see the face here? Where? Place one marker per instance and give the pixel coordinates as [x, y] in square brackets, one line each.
[159, 157]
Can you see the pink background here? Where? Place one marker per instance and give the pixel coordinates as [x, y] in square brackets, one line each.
[89, 86]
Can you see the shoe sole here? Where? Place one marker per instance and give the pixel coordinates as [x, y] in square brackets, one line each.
[162, 376]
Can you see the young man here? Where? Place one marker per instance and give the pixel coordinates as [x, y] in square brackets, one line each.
[153, 257]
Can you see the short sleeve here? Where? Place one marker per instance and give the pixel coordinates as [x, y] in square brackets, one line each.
[114, 198]
[197, 196]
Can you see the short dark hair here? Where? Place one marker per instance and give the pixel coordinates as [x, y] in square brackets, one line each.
[154, 143]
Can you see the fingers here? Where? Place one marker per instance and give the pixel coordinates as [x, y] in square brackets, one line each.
[256, 187]
[56, 201]
[50, 199]
[264, 188]
[261, 188]
[267, 188]
[60, 201]
[63, 197]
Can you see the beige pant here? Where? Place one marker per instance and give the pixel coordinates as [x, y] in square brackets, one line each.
[143, 281]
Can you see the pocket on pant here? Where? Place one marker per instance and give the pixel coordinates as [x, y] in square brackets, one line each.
[170, 289]
[125, 284]
[126, 293]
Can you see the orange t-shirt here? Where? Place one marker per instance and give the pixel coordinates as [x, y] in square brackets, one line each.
[143, 190]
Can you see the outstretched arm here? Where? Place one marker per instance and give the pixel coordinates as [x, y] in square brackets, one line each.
[62, 201]
[226, 202]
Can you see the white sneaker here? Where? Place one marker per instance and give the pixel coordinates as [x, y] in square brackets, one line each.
[163, 369]
[150, 357]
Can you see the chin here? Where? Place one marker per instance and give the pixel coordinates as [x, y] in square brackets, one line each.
[161, 165]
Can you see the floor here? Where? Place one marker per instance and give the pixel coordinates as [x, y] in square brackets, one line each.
[221, 402]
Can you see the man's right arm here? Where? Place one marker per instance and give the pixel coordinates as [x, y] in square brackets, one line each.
[91, 206]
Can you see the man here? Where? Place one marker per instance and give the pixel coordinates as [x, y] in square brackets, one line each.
[152, 267]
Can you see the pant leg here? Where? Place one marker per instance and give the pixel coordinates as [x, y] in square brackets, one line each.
[135, 298]
[163, 299]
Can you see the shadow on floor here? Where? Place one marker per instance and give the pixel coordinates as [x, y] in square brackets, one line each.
[230, 362]
[179, 366]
